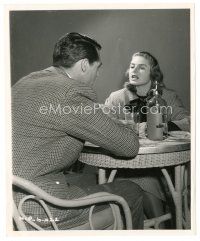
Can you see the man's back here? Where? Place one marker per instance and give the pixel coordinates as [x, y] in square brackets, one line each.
[54, 112]
[41, 145]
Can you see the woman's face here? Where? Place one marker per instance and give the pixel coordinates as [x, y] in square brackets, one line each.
[139, 71]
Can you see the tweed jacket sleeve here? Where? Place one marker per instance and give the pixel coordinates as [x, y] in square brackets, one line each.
[88, 122]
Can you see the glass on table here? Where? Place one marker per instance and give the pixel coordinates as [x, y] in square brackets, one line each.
[134, 120]
[165, 126]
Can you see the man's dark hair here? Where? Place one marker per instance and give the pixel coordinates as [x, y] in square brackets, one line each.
[73, 47]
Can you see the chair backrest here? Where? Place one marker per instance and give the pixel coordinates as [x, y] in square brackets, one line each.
[39, 195]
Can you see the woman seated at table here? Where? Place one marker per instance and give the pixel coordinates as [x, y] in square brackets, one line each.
[143, 71]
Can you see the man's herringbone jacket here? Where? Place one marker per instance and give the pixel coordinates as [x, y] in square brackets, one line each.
[52, 117]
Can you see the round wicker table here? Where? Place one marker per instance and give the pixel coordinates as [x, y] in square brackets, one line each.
[173, 151]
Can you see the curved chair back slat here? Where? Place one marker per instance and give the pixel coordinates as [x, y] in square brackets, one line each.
[96, 198]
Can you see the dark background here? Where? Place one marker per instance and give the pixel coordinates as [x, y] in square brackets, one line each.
[163, 32]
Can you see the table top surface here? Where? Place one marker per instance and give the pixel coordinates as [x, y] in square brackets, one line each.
[173, 150]
[176, 141]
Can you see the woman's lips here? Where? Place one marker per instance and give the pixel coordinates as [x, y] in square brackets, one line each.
[135, 77]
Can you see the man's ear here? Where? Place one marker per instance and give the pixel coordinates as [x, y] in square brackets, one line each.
[84, 64]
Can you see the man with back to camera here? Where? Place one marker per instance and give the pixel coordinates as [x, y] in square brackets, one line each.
[53, 114]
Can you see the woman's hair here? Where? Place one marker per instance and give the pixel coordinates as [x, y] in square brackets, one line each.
[73, 47]
[155, 71]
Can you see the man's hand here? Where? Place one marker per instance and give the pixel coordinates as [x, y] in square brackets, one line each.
[126, 123]
[139, 128]
[130, 124]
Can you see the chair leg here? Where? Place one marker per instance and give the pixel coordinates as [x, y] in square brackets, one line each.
[156, 222]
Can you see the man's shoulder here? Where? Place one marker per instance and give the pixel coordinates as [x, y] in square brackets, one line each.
[47, 78]
[46, 74]
[82, 89]
[51, 80]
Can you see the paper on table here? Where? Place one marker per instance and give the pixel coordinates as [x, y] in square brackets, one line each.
[179, 134]
[174, 136]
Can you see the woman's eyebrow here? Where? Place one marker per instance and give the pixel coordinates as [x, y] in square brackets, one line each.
[139, 64]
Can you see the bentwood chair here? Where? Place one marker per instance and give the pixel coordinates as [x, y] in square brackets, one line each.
[109, 218]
